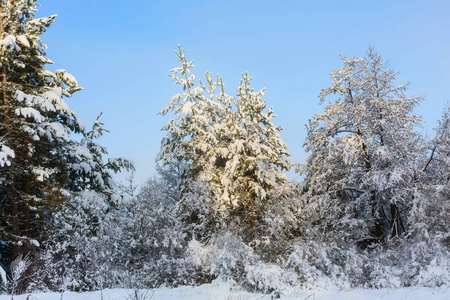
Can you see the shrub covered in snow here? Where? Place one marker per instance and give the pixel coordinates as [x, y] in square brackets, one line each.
[156, 239]
[84, 246]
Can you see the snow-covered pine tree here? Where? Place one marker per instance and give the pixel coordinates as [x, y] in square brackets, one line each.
[363, 150]
[256, 156]
[34, 120]
[39, 160]
[228, 142]
[86, 166]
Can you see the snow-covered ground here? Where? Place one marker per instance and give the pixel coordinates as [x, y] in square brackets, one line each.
[220, 290]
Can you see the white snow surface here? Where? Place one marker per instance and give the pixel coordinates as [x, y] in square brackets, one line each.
[221, 290]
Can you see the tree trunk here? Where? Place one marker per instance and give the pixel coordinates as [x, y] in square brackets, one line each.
[14, 217]
[251, 203]
[27, 213]
[394, 220]
[4, 69]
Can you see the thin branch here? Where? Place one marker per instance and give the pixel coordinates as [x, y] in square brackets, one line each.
[431, 158]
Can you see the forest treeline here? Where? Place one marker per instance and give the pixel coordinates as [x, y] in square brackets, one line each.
[373, 208]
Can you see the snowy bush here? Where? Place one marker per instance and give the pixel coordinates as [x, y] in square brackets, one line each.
[157, 240]
[18, 268]
[85, 246]
[436, 273]
[312, 264]
[196, 210]
[269, 277]
[277, 225]
[396, 264]
[405, 263]
[225, 255]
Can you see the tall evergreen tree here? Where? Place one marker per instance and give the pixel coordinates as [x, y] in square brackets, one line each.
[38, 158]
[34, 119]
[228, 142]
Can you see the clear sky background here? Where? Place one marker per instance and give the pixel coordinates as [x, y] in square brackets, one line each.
[121, 51]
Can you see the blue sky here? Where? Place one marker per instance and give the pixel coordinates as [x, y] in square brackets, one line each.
[121, 51]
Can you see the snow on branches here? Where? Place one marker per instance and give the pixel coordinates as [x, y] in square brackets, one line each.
[229, 142]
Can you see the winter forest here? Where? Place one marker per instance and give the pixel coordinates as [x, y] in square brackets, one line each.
[371, 207]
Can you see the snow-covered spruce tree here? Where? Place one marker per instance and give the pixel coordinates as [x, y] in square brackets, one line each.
[35, 122]
[229, 142]
[364, 151]
[40, 164]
